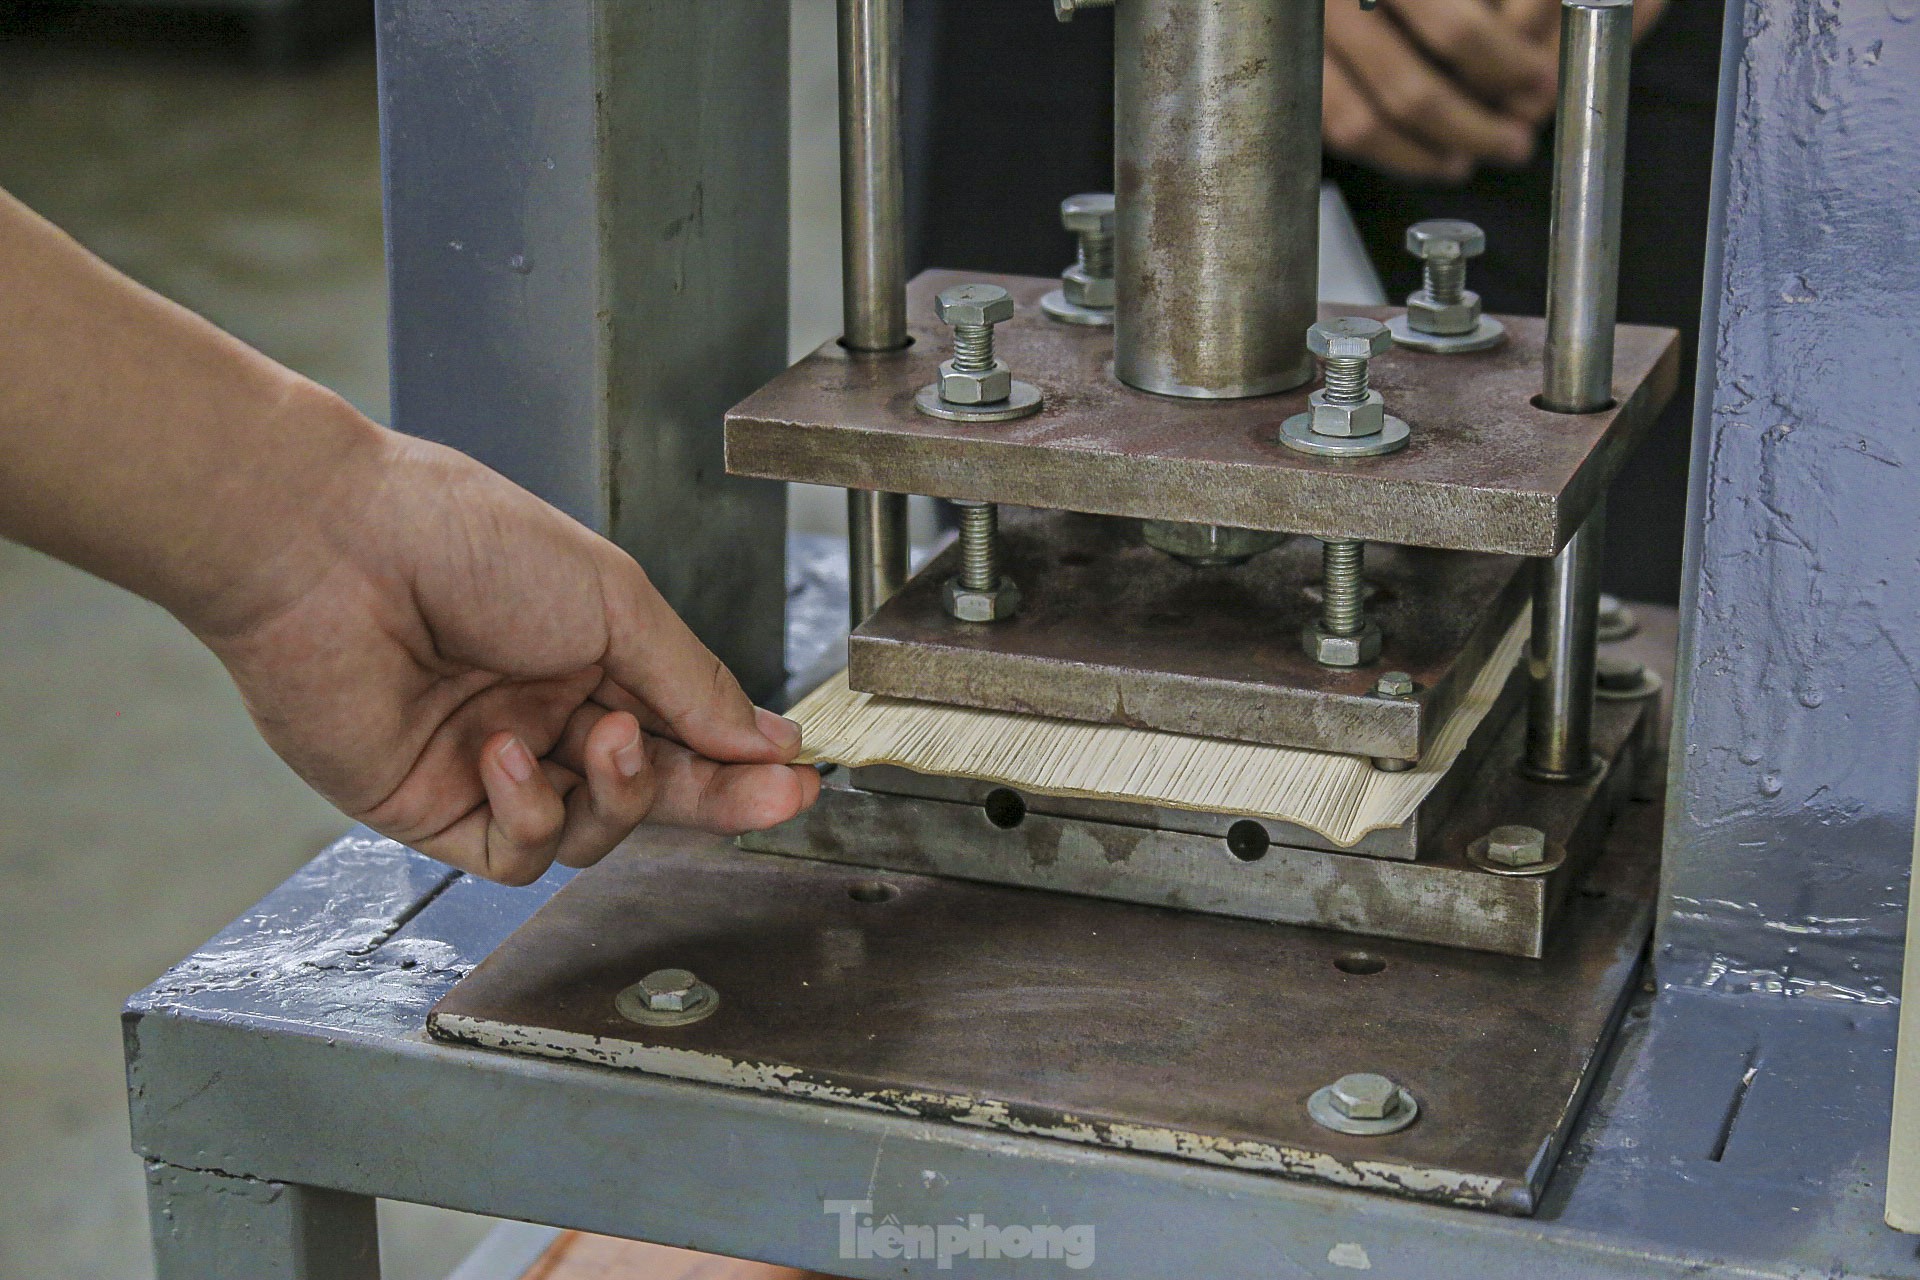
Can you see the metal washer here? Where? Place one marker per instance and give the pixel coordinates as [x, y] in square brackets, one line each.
[1477, 855]
[1297, 433]
[1327, 1116]
[631, 1004]
[1487, 335]
[1056, 305]
[1025, 399]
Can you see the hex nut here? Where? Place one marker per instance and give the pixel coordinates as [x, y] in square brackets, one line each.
[990, 387]
[1085, 290]
[974, 304]
[1329, 650]
[1088, 215]
[1364, 1096]
[967, 605]
[670, 990]
[1424, 315]
[1445, 238]
[1517, 846]
[1394, 684]
[1368, 419]
[1349, 338]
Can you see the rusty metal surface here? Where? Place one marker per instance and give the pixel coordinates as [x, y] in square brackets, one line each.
[1442, 898]
[1112, 631]
[1486, 471]
[1168, 1032]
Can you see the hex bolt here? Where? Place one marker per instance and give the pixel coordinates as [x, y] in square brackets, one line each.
[1444, 306]
[980, 592]
[1364, 1104]
[1517, 846]
[979, 546]
[1343, 592]
[1091, 219]
[1394, 684]
[1346, 417]
[669, 990]
[1343, 635]
[975, 385]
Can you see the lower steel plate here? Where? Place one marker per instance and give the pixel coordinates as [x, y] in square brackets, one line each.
[1140, 1028]
[1112, 631]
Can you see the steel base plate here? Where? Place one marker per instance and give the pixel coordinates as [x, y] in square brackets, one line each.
[1140, 1028]
[1112, 631]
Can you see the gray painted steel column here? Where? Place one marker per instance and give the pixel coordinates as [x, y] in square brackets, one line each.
[1791, 814]
[1217, 173]
[587, 253]
[207, 1226]
[873, 249]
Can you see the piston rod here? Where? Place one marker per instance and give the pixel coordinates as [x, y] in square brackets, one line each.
[1583, 281]
[1217, 172]
[873, 264]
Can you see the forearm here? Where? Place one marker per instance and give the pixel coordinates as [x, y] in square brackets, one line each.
[141, 443]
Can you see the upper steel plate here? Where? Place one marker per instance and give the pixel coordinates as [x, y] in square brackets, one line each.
[1486, 471]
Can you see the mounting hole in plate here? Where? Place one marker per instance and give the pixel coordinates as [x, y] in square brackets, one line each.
[1247, 841]
[1360, 963]
[872, 891]
[1005, 809]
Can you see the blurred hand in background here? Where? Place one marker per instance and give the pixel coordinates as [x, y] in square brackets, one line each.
[1432, 90]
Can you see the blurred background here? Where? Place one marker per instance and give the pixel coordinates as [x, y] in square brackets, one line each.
[228, 155]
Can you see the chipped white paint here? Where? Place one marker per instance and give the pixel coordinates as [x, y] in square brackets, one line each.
[1453, 1186]
[1351, 1256]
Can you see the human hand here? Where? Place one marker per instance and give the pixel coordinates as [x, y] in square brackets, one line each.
[466, 670]
[1432, 89]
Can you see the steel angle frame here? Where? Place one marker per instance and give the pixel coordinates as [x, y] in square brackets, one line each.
[285, 1066]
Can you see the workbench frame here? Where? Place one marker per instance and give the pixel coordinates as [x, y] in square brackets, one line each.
[281, 1078]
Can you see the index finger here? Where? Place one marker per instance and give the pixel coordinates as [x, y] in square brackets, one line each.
[655, 657]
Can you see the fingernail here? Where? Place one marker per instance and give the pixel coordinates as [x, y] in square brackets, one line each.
[517, 761]
[780, 731]
[628, 757]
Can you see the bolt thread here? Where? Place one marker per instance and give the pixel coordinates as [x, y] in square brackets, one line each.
[980, 547]
[1446, 280]
[1096, 255]
[973, 348]
[1347, 381]
[1343, 593]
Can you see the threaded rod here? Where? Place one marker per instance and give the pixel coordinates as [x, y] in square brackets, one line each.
[979, 546]
[973, 348]
[1096, 255]
[1347, 381]
[1343, 592]
[1446, 280]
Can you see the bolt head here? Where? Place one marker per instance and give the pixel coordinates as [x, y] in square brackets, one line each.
[1203, 545]
[1349, 338]
[1330, 419]
[974, 304]
[1424, 315]
[1517, 846]
[1088, 215]
[670, 990]
[1619, 675]
[991, 387]
[1445, 238]
[1085, 290]
[1365, 1096]
[1329, 650]
[981, 606]
[1394, 684]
